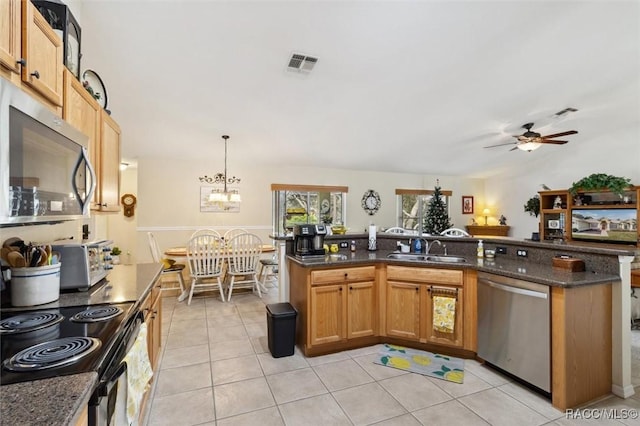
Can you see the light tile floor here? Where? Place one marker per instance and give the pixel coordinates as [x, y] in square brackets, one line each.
[216, 369]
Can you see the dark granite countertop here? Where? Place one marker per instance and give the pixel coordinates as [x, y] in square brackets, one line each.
[56, 401]
[524, 270]
[125, 283]
[60, 400]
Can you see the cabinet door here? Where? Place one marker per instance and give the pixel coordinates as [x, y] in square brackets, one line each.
[361, 303]
[327, 313]
[155, 333]
[83, 112]
[10, 34]
[108, 190]
[440, 337]
[403, 310]
[42, 51]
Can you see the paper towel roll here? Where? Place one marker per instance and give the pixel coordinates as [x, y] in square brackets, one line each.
[372, 237]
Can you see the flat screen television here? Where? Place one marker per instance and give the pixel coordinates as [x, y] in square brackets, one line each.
[605, 225]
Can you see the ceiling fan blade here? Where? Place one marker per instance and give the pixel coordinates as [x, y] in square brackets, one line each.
[555, 135]
[501, 144]
[553, 142]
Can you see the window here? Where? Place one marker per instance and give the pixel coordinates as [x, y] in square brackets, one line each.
[294, 204]
[413, 205]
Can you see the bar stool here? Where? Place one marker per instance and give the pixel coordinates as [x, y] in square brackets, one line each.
[268, 272]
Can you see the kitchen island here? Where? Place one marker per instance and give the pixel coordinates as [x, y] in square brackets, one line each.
[358, 298]
[63, 400]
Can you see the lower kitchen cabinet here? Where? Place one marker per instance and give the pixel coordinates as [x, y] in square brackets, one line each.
[409, 311]
[152, 308]
[336, 306]
[348, 307]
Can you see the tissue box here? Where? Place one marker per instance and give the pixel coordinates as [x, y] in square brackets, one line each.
[569, 263]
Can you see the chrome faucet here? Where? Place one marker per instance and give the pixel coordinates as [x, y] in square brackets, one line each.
[428, 246]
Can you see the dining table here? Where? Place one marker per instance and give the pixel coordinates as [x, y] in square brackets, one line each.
[180, 253]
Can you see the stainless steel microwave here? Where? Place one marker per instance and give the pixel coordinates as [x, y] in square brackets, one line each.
[45, 172]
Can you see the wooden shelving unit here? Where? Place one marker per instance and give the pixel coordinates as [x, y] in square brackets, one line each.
[557, 221]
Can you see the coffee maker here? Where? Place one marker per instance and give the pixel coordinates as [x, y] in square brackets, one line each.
[308, 239]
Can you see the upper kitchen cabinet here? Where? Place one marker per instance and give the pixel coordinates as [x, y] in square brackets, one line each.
[10, 53]
[41, 60]
[83, 112]
[108, 162]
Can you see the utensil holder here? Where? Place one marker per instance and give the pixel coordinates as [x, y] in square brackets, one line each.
[35, 286]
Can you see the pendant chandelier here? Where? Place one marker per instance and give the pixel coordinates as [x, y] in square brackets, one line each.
[223, 195]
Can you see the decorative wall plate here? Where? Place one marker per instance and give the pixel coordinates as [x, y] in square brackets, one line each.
[94, 85]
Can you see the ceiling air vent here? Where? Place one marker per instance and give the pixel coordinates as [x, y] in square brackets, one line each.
[299, 62]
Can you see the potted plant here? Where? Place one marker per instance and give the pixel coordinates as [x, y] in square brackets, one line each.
[115, 255]
[597, 181]
[533, 206]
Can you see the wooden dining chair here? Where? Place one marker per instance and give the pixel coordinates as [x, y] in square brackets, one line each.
[206, 231]
[168, 267]
[233, 232]
[244, 260]
[205, 257]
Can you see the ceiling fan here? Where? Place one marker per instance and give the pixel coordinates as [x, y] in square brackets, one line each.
[529, 140]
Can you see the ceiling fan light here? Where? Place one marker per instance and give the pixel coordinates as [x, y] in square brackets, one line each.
[529, 146]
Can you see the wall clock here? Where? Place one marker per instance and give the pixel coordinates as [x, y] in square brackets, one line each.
[371, 202]
[129, 204]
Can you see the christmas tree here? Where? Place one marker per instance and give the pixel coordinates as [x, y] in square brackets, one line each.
[436, 220]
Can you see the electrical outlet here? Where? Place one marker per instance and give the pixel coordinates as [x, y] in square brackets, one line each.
[344, 244]
[522, 253]
[501, 250]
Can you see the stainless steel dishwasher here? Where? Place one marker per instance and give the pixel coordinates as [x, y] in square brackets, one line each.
[514, 327]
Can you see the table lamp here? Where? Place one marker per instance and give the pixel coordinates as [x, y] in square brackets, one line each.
[486, 213]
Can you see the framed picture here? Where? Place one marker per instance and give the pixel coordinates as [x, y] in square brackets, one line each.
[467, 204]
[209, 206]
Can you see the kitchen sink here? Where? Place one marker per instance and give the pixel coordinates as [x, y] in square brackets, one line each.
[446, 259]
[407, 256]
[416, 257]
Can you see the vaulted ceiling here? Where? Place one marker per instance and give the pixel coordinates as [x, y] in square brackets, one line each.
[416, 87]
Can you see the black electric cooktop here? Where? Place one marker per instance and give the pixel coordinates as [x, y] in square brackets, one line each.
[55, 335]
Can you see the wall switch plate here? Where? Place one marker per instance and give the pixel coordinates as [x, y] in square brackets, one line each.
[522, 253]
[344, 244]
[501, 250]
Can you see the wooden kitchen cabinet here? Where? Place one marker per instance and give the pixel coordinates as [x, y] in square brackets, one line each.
[108, 163]
[83, 112]
[336, 307]
[42, 56]
[10, 28]
[409, 310]
[342, 304]
[152, 309]
[403, 309]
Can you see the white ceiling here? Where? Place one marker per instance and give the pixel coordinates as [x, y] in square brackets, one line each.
[415, 87]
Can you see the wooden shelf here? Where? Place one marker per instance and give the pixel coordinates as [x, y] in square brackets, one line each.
[596, 200]
[499, 230]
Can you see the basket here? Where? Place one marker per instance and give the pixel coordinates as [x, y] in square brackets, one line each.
[35, 286]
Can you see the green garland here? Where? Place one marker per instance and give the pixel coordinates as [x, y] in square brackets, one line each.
[615, 184]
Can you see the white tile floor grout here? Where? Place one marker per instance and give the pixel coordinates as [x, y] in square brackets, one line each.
[216, 369]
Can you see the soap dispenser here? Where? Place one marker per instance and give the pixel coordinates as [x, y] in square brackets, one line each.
[480, 249]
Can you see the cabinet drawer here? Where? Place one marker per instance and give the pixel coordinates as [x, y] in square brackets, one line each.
[430, 275]
[326, 276]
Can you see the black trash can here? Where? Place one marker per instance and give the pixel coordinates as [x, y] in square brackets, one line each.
[281, 328]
